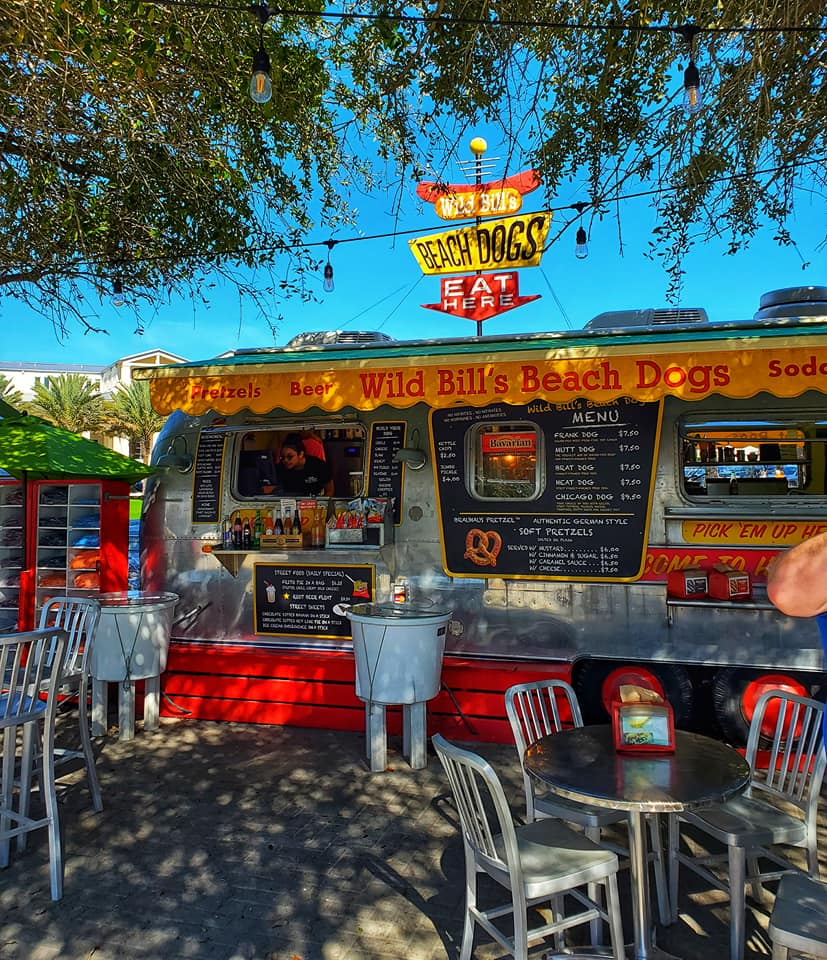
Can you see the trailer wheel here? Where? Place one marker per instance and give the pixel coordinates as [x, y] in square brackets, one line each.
[597, 684]
[736, 692]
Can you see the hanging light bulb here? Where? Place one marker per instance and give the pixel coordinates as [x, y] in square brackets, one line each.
[261, 87]
[692, 99]
[581, 240]
[118, 298]
[328, 284]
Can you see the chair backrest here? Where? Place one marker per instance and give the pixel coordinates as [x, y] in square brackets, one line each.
[79, 617]
[539, 708]
[24, 675]
[485, 817]
[794, 753]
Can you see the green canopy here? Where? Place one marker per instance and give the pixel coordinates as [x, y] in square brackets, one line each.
[32, 449]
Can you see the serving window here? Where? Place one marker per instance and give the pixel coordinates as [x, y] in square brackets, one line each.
[752, 458]
[505, 460]
[259, 463]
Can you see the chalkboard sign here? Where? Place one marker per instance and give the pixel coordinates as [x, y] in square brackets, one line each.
[385, 473]
[206, 478]
[586, 496]
[298, 599]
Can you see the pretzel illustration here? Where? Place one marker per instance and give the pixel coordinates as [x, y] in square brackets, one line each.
[482, 547]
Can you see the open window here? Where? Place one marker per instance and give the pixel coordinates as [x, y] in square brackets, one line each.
[258, 464]
[752, 457]
[505, 460]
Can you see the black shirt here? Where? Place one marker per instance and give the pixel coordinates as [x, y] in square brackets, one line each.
[308, 480]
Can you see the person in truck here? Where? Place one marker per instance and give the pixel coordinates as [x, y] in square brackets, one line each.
[300, 474]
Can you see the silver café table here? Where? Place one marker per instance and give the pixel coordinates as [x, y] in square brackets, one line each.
[582, 764]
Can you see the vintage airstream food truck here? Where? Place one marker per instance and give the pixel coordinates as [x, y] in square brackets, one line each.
[599, 504]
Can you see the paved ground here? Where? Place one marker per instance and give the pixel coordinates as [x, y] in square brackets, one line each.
[225, 841]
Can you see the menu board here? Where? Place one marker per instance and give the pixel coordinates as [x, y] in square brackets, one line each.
[587, 483]
[206, 478]
[385, 473]
[298, 599]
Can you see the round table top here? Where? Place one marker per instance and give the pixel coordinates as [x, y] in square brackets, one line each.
[583, 765]
[135, 600]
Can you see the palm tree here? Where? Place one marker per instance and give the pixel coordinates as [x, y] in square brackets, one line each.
[129, 413]
[71, 401]
[9, 392]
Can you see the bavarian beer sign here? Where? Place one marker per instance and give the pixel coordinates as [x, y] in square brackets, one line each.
[508, 244]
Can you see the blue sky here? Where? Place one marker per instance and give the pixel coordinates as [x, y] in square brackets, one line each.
[379, 286]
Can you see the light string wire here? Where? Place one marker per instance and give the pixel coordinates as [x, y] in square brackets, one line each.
[478, 21]
[457, 224]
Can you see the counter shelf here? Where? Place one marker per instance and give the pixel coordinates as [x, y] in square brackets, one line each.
[233, 560]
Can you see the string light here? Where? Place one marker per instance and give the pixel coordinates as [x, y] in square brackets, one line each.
[328, 284]
[692, 97]
[581, 240]
[118, 298]
[261, 87]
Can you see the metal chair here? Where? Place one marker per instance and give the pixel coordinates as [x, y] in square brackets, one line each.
[23, 710]
[538, 862]
[799, 918]
[780, 806]
[544, 707]
[79, 616]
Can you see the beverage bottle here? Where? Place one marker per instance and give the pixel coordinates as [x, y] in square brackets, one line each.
[297, 522]
[246, 536]
[278, 527]
[226, 533]
[237, 532]
[257, 531]
[288, 524]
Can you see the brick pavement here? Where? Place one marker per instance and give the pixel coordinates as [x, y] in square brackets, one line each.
[229, 841]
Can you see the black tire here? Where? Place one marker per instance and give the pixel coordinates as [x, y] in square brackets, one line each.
[728, 700]
[590, 676]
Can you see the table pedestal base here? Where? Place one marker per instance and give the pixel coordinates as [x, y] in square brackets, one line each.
[413, 735]
[126, 706]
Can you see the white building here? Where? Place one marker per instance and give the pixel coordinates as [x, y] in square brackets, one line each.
[24, 376]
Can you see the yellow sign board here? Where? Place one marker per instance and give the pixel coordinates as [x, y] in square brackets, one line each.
[778, 365]
[495, 245]
[758, 532]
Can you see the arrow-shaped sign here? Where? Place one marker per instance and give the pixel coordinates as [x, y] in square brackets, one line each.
[481, 296]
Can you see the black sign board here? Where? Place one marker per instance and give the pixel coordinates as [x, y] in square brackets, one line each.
[206, 479]
[588, 520]
[298, 599]
[385, 473]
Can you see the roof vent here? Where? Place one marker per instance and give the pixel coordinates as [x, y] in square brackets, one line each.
[324, 338]
[793, 302]
[619, 319]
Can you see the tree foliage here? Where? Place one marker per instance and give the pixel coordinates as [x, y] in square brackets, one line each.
[129, 414]
[70, 401]
[9, 392]
[129, 145]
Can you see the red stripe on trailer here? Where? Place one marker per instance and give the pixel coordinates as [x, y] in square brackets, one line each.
[317, 689]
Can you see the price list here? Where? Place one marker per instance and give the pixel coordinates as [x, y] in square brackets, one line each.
[298, 600]
[385, 473]
[591, 469]
[206, 478]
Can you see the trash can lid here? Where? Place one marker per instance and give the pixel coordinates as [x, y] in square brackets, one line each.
[136, 598]
[397, 611]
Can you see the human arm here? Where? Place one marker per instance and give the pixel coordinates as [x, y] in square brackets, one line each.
[797, 579]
